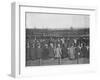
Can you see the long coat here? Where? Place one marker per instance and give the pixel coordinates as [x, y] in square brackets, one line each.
[88, 53]
[39, 52]
[84, 51]
[33, 53]
[58, 52]
[64, 52]
[77, 52]
[51, 52]
[45, 53]
[27, 53]
[72, 53]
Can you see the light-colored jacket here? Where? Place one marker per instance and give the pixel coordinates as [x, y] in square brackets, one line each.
[58, 52]
[72, 52]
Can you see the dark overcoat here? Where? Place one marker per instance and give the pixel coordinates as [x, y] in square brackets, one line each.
[64, 52]
[51, 52]
[39, 53]
[33, 53]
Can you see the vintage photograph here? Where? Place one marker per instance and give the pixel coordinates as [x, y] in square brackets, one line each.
[56, 39]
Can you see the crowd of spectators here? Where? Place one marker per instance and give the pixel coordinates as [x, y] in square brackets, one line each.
[57, 48]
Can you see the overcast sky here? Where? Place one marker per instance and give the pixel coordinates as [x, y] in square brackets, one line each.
[56, 21]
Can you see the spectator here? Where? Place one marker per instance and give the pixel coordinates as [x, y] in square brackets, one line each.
[45, 54]
[39, 53]
[72, 52]
[51, 51]
[58, 53]
[27, 50]
[33, 51]
[83, 51]
[88, 51]
[64, 52]
[77, 51]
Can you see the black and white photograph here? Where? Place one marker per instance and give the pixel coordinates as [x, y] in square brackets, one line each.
[56, 39]
[53, 41]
